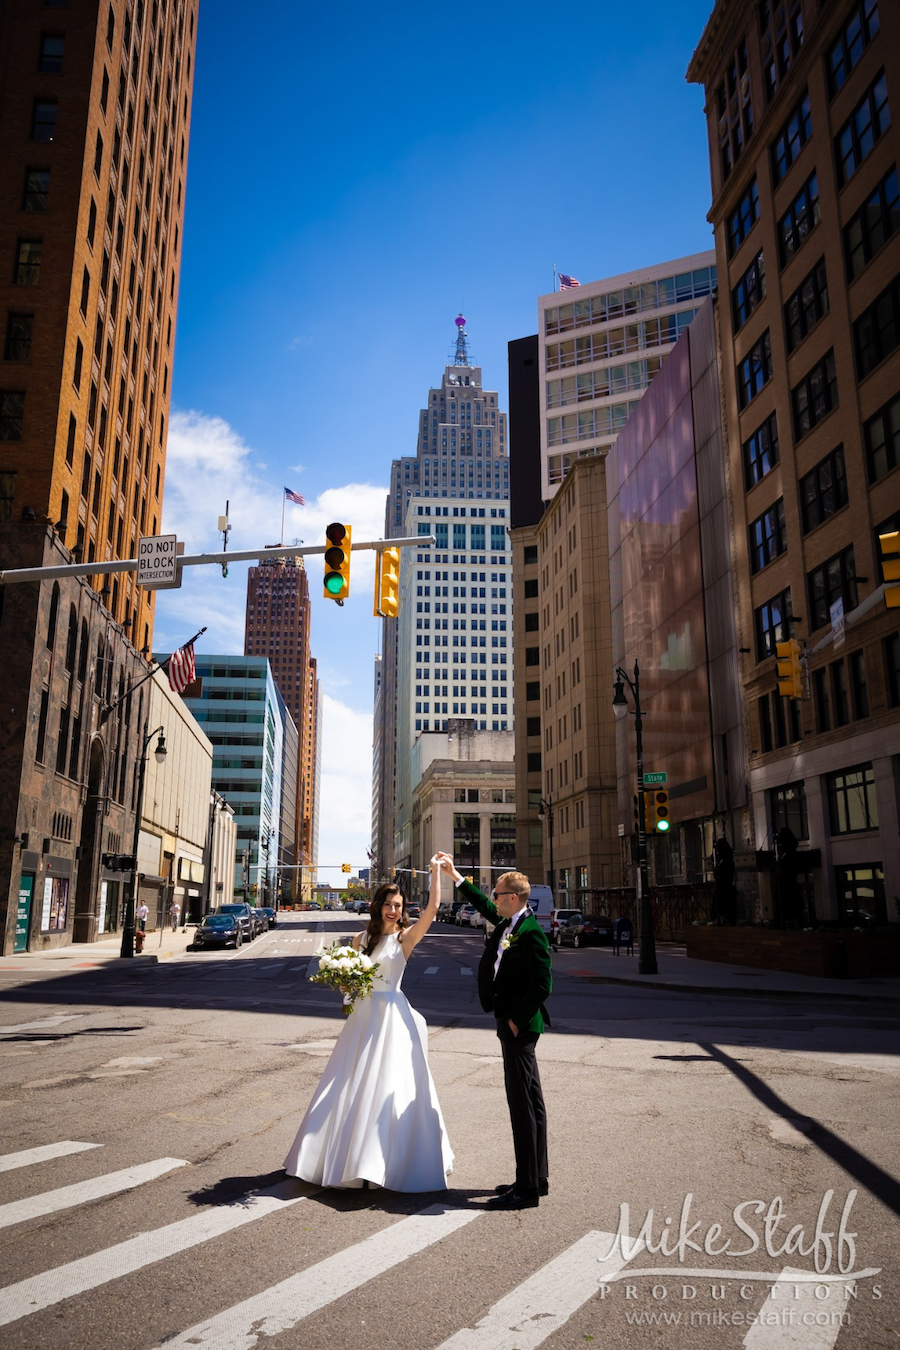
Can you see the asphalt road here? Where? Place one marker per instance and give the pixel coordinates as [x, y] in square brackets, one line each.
[147, 1108]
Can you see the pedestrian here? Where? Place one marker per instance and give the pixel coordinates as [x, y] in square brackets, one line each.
[142, 912]
[175, 912]
[514, 979]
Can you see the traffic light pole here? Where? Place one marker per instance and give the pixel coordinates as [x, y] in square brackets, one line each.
[647, 942]
[127, 948]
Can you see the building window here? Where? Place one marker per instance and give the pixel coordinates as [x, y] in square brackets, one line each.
[755, 371]
[876, 333]
[860, 894]
[43, 120]
[815, 396]
[820, 699]
[799, 221]
[851, 800]
[767, 538]
[734, 107]
[781, 46]
[858, 30]
[748, 292]
[766, 741]
[761, 452]
[859, 692]
[834, 580]
[532, 656]
[37, 188]
[51, 57]
[863, 129]
[28, 262]
[532, 623]
[530, 554]
[772, 624]
[787, 806]
[840, 701]
[792, 138]
[874, 223]
[12, 411]
[743, 218]
[823, 490]
[806, 306]
[18, 337]
[892, 669]
[882, 437]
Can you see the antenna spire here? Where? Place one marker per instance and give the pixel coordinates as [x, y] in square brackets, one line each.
[461, 358]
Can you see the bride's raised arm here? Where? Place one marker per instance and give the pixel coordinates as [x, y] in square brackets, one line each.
[413, 935]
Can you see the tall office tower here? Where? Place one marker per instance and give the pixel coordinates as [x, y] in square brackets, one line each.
[277, 627]
[803, 153]
[575, 384]
[94, 115]
[461, 459]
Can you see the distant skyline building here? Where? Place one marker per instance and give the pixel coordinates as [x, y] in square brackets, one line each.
[455, 594]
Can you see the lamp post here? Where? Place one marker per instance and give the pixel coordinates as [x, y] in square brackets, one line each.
[159, 755]
[647, 959]
[546, 809]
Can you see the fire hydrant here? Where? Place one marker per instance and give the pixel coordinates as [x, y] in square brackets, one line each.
[139, 941]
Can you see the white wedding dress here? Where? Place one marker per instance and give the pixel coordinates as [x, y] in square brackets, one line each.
[374, 1115]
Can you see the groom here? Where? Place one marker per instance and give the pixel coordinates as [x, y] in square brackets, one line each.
[513, 981]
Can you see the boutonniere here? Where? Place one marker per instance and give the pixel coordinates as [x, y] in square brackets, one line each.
[507, 942]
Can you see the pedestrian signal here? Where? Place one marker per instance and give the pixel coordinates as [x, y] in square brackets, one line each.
[387, 582]
[337, 562]
[789, 669]
[659, 804]
[118, 862]
[890, 567]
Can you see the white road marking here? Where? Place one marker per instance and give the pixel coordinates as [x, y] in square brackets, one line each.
[42, 1025]
[84, 1191]
[465, 970]
[787, 1306]
[9, 1161]
[53, 1286]
[545, 1301]
[432, 970]
[284, 1305]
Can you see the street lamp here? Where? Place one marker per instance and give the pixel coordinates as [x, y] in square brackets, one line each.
[159, 754]
[647, 960]
[546, 809]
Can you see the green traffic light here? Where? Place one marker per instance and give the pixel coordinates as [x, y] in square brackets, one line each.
[662, 826]
[334, 583]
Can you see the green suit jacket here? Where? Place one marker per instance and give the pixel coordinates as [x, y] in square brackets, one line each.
[524, 979]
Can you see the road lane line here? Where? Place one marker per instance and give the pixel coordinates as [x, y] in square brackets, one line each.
[9, 1161]
[545, 1301]
[76, 1277]
[280, 1308]
[431, 970]
[43, 1025]
[465, 970]
[48, 1202]
[787, 1305]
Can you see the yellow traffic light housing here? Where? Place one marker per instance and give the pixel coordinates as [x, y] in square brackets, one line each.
[387, 583]
[659, 800]
[337, 562]
[789, 667]
[890, 567]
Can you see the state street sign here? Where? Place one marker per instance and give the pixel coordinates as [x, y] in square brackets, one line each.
[157, 562]
[656, 778]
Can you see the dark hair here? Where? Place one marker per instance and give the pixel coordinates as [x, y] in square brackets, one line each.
[375, 929]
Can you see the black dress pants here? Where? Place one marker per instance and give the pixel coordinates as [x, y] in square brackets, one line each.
[527, 1113]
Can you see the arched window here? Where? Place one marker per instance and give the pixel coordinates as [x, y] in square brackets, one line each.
[83, 653]
[54, 611]
[72, 640]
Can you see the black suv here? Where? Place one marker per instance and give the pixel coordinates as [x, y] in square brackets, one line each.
[245, 916]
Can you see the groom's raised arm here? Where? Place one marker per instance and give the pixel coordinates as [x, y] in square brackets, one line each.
[469, 893]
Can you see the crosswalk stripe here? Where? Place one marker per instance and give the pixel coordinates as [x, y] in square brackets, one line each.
[432, 970]
[787, 1304]
[10, 1161]
[45, 1023]
[546, 1300]
[465, 970]
[53, 1286]
[48, 1202]
[280, 1308]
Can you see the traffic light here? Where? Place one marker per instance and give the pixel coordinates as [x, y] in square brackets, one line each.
[890, 567]
[659, 805]
[337, 562]
[118, 862]
[789, 667]
[387, 582]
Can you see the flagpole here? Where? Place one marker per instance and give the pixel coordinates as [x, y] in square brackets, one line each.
[283, 500]
[155, 666]
[554, 278]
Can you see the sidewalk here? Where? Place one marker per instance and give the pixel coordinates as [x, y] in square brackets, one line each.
[677, 971]
[79, 954]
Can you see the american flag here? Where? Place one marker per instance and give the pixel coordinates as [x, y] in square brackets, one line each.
[292, 496]
[566, 283]
[181, 669]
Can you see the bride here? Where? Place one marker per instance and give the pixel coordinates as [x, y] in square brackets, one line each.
[374, 1116]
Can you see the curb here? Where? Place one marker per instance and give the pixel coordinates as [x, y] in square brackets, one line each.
[733, 992]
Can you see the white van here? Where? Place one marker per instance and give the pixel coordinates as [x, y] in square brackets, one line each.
[541, 903]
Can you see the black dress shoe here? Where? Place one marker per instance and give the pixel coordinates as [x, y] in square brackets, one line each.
[514, 1199]
[543, 1188]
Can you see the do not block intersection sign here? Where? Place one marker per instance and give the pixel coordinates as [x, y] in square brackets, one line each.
[158, 562]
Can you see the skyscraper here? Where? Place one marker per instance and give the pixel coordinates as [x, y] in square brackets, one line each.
[94, 113]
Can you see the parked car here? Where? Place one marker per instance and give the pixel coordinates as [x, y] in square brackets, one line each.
[270, 914]
[477, 920]
[246, 916]
[464, 916]
[314, 904]
[262, 920]
[218, 930]
[414, 911]
[580, 931]
[362, 907]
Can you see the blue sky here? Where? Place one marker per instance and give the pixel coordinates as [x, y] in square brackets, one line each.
[357, 175]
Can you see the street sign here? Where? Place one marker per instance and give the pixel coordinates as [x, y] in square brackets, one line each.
[656, 778]
[157, 562]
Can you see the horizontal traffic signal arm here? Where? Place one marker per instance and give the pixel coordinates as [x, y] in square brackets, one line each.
[261, 554]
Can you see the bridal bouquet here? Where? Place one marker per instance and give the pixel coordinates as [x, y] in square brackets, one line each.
[348, 971]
